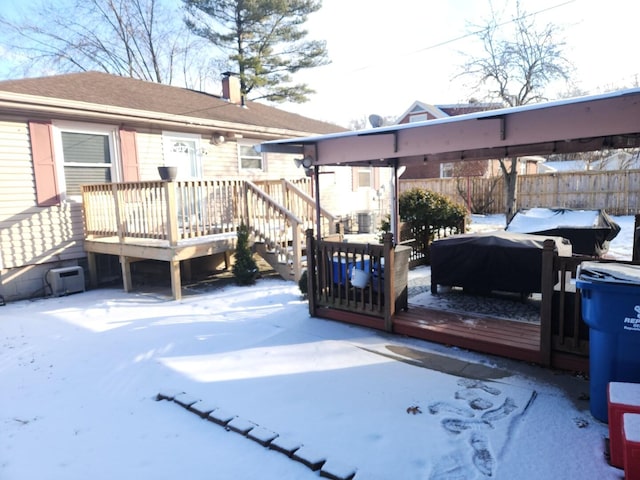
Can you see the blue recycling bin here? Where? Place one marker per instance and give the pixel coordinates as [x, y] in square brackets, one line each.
[342, 268]
[610, 294]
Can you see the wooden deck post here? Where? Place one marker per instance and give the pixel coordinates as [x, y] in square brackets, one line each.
[171, 213]
[119, 225]
[125, 265]
[176, 285]
[546, 308]
[312, 282]
[389, 281]
[93, 269]
[173, 237]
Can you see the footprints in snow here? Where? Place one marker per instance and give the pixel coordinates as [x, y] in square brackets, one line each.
[482, 458]
[474, 421]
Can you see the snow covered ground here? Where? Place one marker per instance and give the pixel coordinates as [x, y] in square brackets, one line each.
[79, 377]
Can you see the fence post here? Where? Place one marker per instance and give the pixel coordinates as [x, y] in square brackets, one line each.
[546, 308]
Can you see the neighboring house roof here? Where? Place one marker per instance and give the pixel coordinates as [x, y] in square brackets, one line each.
[442, 111]
[111, 90]
[421, 107]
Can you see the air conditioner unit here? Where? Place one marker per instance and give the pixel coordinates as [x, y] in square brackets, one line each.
[64, 281]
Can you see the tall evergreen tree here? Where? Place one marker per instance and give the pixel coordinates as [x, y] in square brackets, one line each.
[262, 41]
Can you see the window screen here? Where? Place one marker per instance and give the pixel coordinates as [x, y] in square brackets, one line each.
[87, 159]
[249, 157]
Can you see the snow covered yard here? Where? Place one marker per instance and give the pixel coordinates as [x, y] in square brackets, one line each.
[80, 376]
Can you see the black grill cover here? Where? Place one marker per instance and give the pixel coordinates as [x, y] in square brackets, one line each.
[494, 261]
[589, 231]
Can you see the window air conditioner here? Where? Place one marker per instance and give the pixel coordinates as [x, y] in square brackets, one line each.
[64, 281]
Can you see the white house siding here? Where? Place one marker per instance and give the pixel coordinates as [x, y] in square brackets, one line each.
[220, 161]
[32, 239]
[150, 154]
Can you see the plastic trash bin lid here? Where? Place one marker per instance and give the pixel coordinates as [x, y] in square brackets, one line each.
[609, 273]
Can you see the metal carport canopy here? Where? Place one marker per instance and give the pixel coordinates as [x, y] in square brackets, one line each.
[581, 124]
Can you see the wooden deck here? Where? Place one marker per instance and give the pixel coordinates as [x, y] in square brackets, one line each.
[482, 334]
[518, 340]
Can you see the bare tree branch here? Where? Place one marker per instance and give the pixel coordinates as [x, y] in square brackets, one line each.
[144, 39]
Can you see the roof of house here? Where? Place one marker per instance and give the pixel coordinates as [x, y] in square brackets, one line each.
[112, 90]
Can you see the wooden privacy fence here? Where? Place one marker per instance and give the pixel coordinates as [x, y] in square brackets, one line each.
[618, 192]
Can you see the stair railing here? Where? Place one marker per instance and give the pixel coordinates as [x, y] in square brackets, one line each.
[277, 228]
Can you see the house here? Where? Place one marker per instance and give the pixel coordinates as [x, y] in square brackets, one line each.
[421, 112]
[61, 132]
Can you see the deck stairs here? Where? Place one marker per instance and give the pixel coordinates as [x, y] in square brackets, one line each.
[279, 213]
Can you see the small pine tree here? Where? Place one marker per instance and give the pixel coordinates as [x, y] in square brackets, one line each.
[245, 269]
[302, 283]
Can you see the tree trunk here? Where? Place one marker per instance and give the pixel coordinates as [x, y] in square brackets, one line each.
[510, 173]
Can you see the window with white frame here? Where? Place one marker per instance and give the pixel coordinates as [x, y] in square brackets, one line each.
[446, 170]
[249, 158]
[87, 155]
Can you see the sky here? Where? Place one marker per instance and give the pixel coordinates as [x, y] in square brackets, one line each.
[387, 55]
[80, 377]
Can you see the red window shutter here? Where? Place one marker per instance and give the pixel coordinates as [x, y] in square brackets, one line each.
[129, 155]
[376, 178]
[44, 166]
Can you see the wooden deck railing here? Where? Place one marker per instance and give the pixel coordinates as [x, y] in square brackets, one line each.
[331, 284]
[296, 197]
[180, 210]
[277, 228]
[171, 211]
[562, 328]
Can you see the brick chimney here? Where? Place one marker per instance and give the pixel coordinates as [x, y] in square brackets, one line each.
[231, 88]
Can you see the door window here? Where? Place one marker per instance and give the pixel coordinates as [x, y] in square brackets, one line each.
[183, 151]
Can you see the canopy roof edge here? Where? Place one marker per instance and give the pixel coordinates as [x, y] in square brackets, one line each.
[610, 120]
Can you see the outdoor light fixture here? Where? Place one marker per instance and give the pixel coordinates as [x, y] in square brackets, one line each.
[305, 162]
[217, 138]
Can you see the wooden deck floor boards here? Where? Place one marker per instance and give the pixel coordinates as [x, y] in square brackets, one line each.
[506, 338]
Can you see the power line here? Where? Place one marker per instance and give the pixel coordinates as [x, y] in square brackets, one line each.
[471, 34]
